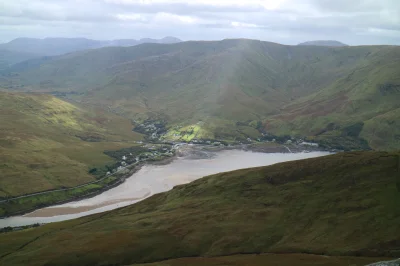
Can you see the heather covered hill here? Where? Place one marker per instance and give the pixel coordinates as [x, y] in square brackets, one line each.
[342, 204]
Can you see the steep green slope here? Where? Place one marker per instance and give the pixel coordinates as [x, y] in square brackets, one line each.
[47, 143]
[342, 204]
[222, 83]
[367, 97]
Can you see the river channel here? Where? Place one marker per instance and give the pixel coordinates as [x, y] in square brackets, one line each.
[151, 179]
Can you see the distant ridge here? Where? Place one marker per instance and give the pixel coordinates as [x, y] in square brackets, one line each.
[58, 46]
[323, 43]
[233, 89]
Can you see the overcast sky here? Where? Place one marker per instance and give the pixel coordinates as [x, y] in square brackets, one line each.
[284, 21]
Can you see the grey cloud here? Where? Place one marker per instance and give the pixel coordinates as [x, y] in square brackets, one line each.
[56, 11]
[183, 8]
[346, 6]
[97, 11]
[296, 21]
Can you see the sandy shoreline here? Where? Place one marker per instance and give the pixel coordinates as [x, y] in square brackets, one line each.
[132, 170]
[187, 152]
[54, 211]
[149, 178]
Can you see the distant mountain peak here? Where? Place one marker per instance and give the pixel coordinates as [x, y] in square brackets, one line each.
[167, 39]
[170, 39]
[57, 46]
[323, 43]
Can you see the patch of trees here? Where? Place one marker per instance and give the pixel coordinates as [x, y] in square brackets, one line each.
[251, 123]
[151, 126]
[345, 143]
[329, 127]
[10, 229]
[389, 88]
[278, 139]
[92, 171]
[353, 130]
[89, 137]
[64, 94]
[118, 154]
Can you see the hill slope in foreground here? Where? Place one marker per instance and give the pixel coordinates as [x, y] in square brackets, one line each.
[48, 143]
[231, 89]
[342, 204]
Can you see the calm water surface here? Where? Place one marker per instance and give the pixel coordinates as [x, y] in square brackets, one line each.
[153, 179]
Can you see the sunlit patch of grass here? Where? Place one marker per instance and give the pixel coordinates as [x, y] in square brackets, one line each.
[187, 133]
[190, 132]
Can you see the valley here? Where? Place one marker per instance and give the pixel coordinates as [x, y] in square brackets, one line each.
[163, 152]
[192, 162]
[54, 151]
[233, 89]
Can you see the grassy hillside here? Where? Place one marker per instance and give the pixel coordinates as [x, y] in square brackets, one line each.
[222, 87]
[48, 143]
[367, 98]
[342, 204]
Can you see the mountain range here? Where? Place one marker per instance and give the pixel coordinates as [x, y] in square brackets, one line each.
[57, 46]
[233, 89]
[324, 43]
[21, 49]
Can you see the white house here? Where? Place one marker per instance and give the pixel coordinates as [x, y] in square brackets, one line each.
[309, 144]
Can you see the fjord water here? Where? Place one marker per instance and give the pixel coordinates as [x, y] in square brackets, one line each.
[152, 179]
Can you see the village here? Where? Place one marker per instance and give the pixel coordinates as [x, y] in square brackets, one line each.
[156, 147]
